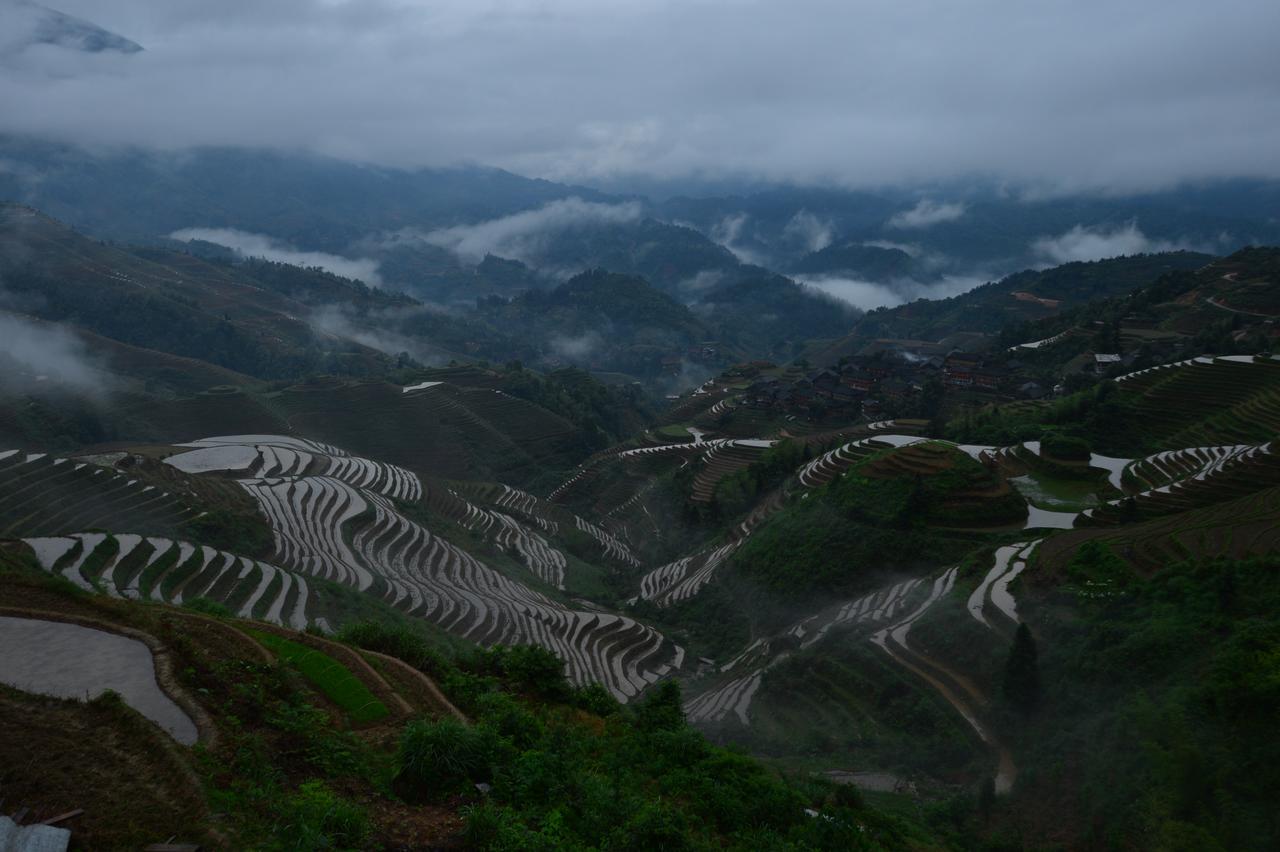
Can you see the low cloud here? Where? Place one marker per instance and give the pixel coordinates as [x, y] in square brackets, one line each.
[248, 244]
[36, 355]
[1087, 243]
[906, 248]
[808, 230]
[375, 332]
[868, 295]
[705, 280]
[1102, 96]
[524, 236]
[728, 233]
[576, 348]
[927, 213]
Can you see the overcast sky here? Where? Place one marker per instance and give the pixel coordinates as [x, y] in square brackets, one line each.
[1068, 93]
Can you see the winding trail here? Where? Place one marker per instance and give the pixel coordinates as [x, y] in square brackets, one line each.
[896, 634]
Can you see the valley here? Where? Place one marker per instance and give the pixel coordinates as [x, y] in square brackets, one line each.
[353, 496]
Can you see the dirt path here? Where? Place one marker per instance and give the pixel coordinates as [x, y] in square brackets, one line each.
[943, 679]
[1212, 301]
[1007, 771]
[1231, 276]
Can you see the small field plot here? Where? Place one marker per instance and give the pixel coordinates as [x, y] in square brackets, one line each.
[329, 676]
[1058, 494]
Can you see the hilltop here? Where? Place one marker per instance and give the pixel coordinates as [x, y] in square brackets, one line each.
[33, 24]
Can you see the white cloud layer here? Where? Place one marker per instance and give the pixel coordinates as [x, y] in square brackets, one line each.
[728, 232]
[868, 295]
[812, 233]
[248, 244]
[524, 236]
[48, 355]
[927, 213]
[576, 347]
[1083, 243]
[1076, 93]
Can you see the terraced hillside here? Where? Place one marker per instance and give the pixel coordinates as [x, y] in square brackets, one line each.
[159, 569]
[1234, 526]
[44, 495]
[327, 527]
[1178, 480]
[459, 433]
[1236, 401]
[548, 516]
[456, 432]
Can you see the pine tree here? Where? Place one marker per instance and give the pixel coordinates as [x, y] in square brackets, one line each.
[1022, 672]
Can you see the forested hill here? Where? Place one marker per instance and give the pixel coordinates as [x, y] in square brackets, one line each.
[1018, 298]
[169, 302]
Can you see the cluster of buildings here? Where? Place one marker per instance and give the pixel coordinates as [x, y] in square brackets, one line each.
[888, 377]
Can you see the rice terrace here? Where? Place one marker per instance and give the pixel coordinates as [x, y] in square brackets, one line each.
[571, 426]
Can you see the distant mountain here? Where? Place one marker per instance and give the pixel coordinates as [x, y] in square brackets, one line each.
[29, 24]
[857, 260]
[311, 201]
[769, 315]
[964, 228]
[607, 322]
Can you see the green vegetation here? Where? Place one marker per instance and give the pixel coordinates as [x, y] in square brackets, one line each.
[993, 308]
[237, 531]
[571, 769]
[673, 432]
[1165, 694]
[329, 676]
[880, 516]
[317, 818]
[1021, 685]
[738, 491]
[849, 704]
[1064, 447]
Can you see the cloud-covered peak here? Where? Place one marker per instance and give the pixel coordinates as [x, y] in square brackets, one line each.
[24, 24]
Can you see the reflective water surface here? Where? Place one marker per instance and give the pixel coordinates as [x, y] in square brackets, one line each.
[70, 661]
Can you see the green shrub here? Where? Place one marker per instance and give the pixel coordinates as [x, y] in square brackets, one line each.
[310, 735]
[662, 709]
[207, 607]
[594, 698]
[528, 669]
[1064, 447]
[657, 826]
[317, 818]
[509, 718]
[396, 641]
[497, 828]
[443, 756]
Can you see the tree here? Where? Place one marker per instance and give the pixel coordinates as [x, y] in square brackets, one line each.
[1022, 672]
[663, 709]
[986, 799]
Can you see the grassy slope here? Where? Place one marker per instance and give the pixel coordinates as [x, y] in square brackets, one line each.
[327, 675]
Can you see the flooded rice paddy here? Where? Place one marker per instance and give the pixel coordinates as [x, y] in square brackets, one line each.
[70, 661]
